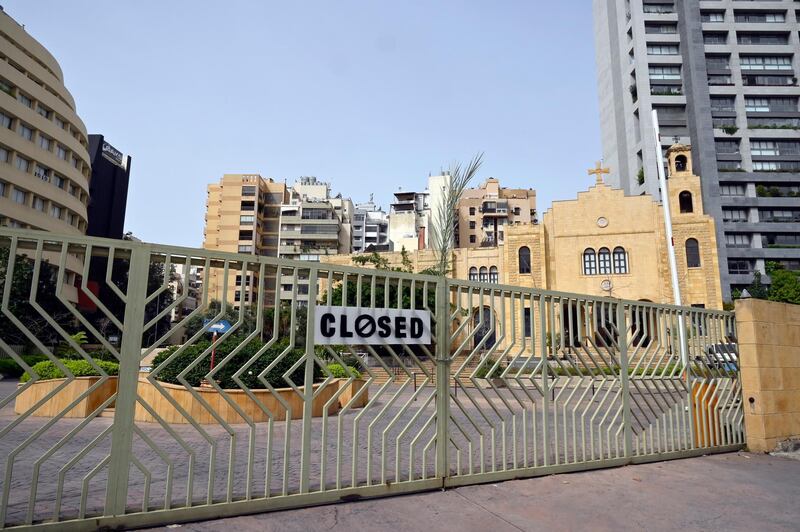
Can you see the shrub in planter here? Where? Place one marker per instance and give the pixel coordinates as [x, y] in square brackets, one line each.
[225, 374]
[339, 372]
[484, 372]
[47, 370]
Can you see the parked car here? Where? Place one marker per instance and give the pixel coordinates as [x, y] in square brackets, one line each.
[723, 356]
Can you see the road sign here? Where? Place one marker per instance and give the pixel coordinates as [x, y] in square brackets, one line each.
[221, 327]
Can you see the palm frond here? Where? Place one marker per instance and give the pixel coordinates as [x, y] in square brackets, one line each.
[444, 221]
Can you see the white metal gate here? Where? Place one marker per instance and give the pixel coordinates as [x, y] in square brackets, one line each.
[516, 382]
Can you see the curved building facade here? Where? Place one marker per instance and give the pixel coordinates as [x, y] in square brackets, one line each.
[44, 159]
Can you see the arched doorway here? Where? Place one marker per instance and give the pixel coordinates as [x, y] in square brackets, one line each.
[485, 330]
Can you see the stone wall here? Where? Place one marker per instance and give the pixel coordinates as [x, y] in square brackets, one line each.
[769, 352]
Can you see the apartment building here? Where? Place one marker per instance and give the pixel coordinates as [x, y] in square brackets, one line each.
[243, 216]
[723, 76]
[412, 214]
[485, 211]
[312, 223]
[370, 228]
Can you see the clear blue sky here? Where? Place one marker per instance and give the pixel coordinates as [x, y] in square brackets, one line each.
[369, 95]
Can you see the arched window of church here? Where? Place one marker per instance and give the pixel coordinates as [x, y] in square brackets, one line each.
[604, 261]
[692, 253]
[473, 274]
[494, 275]
[589, 262]
[685, 200]
[484, 275]
[524, 259]
[680, 163]
[620, 260]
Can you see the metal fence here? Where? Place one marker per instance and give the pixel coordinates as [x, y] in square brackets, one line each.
[515, 382]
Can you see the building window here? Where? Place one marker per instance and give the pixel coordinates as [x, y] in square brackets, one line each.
[685, 201]
[61, 152]
[471, 239]
[38, 203]
[472, 211]
[246, 219]
[5, 121]
[19, 196]
[24, 100]
[3, 155]
[692, 253]
[41, 172]
[484, 274]
[472, 225]
[526, 325]
[524, 259]
[25, 132]
[589, 262]
[23, 164]
[3, 187]
[664, 72]
[473, 274]
[248, 191]
[245, 249]
[55, 211]
[44, 142]
[58, 181]
[731, 190]
[734, 215]
[494, 275]
[604, 261]
[737, 240]
[620, 260]
[60, 123]
[662, 49]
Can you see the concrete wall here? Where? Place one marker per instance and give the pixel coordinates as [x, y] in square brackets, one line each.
[769, 351]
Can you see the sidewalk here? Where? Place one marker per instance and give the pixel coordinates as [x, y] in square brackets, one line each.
[737, 491]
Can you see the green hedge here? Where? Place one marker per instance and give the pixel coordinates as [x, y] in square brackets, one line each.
[225, 375]
[10, 368]
[47, 370]
[339, 372]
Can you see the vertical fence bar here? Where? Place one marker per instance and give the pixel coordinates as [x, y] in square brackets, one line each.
[127, 382]
[442, 377]
[622, 329]
[545, 384]
[308, 385]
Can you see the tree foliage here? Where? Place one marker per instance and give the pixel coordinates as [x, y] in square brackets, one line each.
[19, 306]
[785, 285]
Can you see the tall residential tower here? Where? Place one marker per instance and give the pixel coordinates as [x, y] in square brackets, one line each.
[722, 76]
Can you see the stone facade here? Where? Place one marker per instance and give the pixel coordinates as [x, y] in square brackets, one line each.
[769, 354]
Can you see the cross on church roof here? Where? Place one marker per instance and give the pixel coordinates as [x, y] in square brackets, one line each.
[598, 171]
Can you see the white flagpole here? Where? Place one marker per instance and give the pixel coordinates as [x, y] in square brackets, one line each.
[673, 264]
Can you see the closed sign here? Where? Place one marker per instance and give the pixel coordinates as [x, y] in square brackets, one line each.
[371, 326]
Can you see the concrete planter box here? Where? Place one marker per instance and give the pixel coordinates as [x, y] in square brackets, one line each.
[56, 404]
[225, 410]
[352, 389]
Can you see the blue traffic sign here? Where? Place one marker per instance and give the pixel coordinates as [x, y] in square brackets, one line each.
[222, 326]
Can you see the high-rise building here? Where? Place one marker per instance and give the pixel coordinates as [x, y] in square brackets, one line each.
[242, 216]
[108, 190]
[44, 158]
[370, 228]
[722, 75]
[312, 223]
[485, 211]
